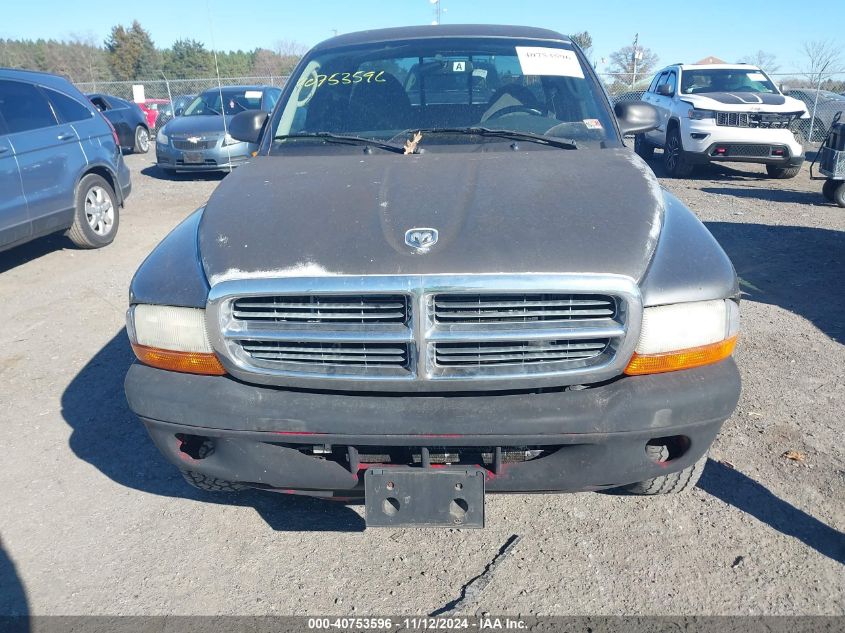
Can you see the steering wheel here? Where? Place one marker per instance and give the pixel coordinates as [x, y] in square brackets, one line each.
[514, 109]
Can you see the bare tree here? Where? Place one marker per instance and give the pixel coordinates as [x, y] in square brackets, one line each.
[289, 48]
[824, 58]
[763, 60]
[632, 63]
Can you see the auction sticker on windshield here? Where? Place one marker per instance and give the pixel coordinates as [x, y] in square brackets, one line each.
[539, 60]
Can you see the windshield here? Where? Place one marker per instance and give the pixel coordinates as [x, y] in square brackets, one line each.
[226, 101]
[726, 80]
[383, 90]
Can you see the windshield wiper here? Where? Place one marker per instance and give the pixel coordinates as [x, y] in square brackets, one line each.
[344, 139]
[508, 134]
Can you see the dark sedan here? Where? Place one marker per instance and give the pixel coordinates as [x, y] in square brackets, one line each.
[828, 104]
[128, 120]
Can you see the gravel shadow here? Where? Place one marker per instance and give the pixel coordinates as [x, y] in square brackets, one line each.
[798, 268]
[13, 600]
[107, 435]
[810, 198]
[745, 494]
[156, 172]
[30, 251]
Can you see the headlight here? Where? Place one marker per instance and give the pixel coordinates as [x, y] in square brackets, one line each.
[697, 115]
[228, 139]
[172, 338]
[161, 137]
[685, 335]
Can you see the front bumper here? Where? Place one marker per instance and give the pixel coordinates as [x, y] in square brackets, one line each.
[214, 159]
[590, 439]
[749, 145]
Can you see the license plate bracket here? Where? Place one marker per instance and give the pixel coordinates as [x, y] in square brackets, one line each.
[193, 157]
[424, 497]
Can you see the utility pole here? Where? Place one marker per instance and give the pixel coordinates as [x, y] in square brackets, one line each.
[437, 11]
[635, 57]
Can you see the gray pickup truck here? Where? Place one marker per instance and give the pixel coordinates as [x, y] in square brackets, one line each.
[443, 274]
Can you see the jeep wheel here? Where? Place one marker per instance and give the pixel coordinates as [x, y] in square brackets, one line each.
[642, 147]
[782, 173]
[211, 484]
[97, 216]
[673, 156]
[667, 484]
[142, 140]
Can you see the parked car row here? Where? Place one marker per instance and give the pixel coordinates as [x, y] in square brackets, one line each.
[61, 168]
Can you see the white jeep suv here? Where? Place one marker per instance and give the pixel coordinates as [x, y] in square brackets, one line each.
[722, 112]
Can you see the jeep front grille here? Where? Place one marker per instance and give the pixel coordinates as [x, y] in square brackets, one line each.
[426, 333]
[754, 120]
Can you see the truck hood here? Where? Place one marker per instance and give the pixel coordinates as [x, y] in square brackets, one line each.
[745, 102]
[577, 211]
[203, 124]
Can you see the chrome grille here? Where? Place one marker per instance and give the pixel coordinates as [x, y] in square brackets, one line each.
[426, 332]
[517, 352]
[319, 309]
[521, 308]
[754, 119]
[185, 144]
[322, 355]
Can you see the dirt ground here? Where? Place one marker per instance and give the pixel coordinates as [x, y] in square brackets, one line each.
[94, 521]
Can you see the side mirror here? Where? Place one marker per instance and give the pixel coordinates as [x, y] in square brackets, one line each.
[636, 117]
[665, 90]
[178, 112]
[247, 125]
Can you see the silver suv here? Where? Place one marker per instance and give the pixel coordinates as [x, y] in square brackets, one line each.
[60, 163]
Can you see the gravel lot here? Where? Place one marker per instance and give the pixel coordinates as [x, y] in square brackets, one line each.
[94, 521]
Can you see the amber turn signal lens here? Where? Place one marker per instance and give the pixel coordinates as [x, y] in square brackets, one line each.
[682, 359]
[185, 362]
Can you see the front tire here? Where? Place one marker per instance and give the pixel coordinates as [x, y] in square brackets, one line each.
[673, 156]
[97, 215]
[142, 140]
[672, 483]
[782, 173]
[643, 148]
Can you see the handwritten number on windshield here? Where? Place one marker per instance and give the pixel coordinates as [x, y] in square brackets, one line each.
[345, 79]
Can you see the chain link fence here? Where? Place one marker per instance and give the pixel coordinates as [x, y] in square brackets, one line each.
[823, 101]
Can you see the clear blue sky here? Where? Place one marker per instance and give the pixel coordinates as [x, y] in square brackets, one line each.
[676, 31]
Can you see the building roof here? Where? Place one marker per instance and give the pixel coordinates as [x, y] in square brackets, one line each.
[441, 30]
[711, 60]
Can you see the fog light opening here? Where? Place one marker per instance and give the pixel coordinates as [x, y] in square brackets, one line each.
[662, 450]
[195, 446]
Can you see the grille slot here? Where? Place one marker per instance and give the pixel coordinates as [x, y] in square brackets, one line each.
[323, 309]
[188, 145]
[522, 308]
[753, 119]
[319, 355]
[517, 352]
